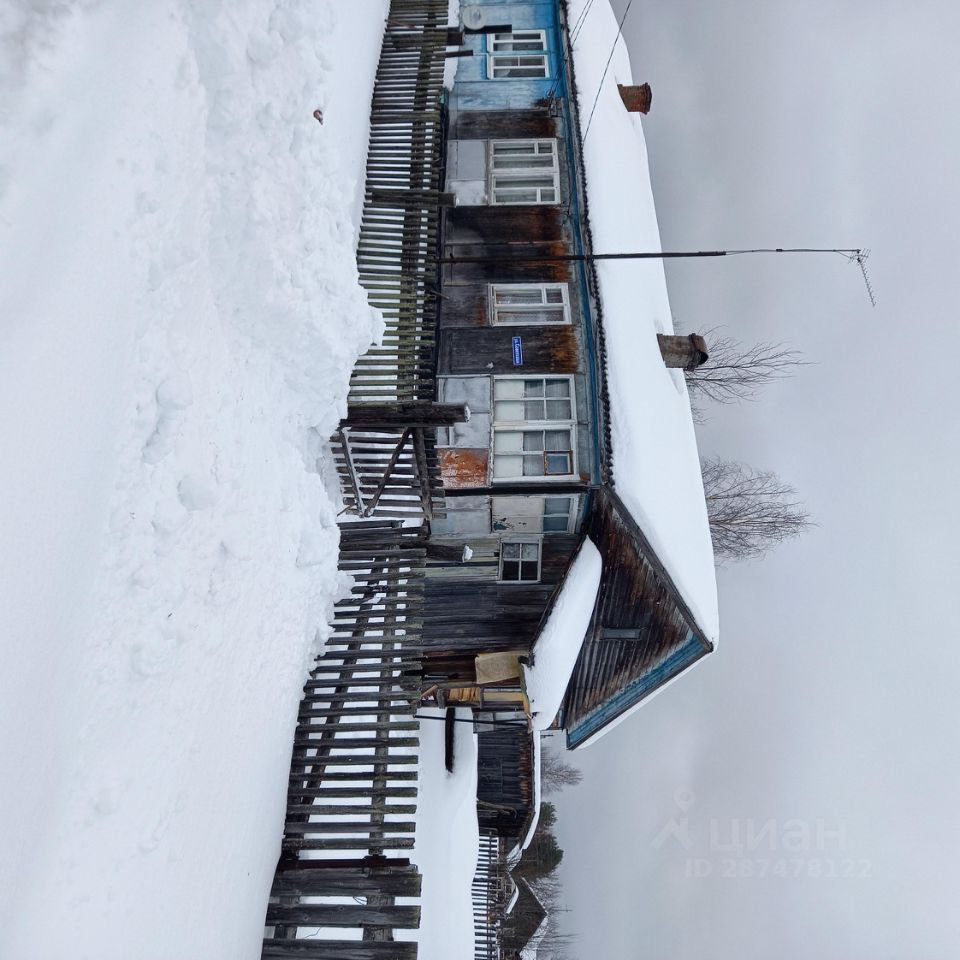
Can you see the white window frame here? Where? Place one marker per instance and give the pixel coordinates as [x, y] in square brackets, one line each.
[534, 426]
[522, 541]
[572, 512]
[506, 183]
[501, 59]
[531, 521]
[494, 289]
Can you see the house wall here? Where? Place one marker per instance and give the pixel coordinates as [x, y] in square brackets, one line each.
[470, 607]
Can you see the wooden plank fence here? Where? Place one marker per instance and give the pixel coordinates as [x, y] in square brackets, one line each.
[388, 463]
[491, 893]
[352, 792]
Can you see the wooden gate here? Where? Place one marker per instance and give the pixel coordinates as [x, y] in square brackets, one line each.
[353, 777]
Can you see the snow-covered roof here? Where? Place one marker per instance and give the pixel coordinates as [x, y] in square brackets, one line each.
[656, 466]
[558, 646]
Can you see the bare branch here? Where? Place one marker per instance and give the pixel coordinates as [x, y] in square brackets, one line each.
[750, 511]
[735, 372]
[556, 773]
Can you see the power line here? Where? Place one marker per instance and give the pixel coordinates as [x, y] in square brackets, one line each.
[852, 254]
[606, 68]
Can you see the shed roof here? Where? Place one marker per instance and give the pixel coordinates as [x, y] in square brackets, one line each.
[654, 458]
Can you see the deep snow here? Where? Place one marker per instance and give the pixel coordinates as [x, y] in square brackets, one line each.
[180, 313]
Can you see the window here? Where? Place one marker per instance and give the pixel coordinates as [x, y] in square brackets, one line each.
[525, 399]
[512, 303]
[556, 514]
[519, 515]
[520, 561]
[520, 55]
[533, 427]
[524, 171]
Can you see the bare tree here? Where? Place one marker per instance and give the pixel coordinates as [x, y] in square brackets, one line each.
[750, 511]
[556, 773]
[735, 372]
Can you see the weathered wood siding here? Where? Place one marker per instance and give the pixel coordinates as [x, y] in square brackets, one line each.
[482, 615]
[642, 634]
[545, 350]
[504, 779]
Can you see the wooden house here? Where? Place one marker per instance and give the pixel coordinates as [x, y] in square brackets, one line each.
[579, 428]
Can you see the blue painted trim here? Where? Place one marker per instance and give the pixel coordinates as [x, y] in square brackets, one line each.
[691, 651]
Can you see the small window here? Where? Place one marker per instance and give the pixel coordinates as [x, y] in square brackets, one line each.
[517, 56]
[522, 399]
[524, 171]
[556, 514]
[520, 561]
[514, 303]
[518, 515]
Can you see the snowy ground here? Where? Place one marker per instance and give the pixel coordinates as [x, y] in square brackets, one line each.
[180, 313]
[447, 840]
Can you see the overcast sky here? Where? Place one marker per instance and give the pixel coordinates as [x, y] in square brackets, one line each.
[831, 703]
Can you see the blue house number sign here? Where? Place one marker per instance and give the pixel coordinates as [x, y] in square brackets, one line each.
[517, 352]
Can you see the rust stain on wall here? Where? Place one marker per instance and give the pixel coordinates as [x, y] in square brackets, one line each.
[463, 467]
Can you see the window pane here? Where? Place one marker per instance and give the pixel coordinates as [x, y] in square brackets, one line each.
[511, 551]
[548, 196]
[533, 441]
[555, 524]
[510, 411]
[558, 388]
[516, 196]
[519, 73]
[558, 410]
[514, 148]
[533, 388]
[533, 410]
[509, 441]
[511, 570]
[528, 551]
[555, 440]
[554, 295]
[505, 466]
[533, 465]
[518, 295]
[508, 388]
[528, 571]
[558, 464]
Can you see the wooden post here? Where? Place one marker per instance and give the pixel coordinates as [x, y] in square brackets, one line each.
[416, 413]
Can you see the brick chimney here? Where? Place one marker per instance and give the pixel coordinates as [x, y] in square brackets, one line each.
[686, 352]
[636, 99]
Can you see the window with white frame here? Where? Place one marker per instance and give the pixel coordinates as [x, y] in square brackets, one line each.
[520, 561]
[532, 514]
[513, 303]
[524, 171]
[517, 56]
[558, 514]
[533, 427]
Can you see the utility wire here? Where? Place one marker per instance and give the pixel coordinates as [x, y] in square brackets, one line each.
[605, 69]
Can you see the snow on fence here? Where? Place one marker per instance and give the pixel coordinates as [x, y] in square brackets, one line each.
[353, 776]
[385, 451]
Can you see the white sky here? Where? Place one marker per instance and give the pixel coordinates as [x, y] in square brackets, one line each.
[832, 696]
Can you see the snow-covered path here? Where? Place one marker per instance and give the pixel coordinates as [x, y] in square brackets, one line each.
[179, 315]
